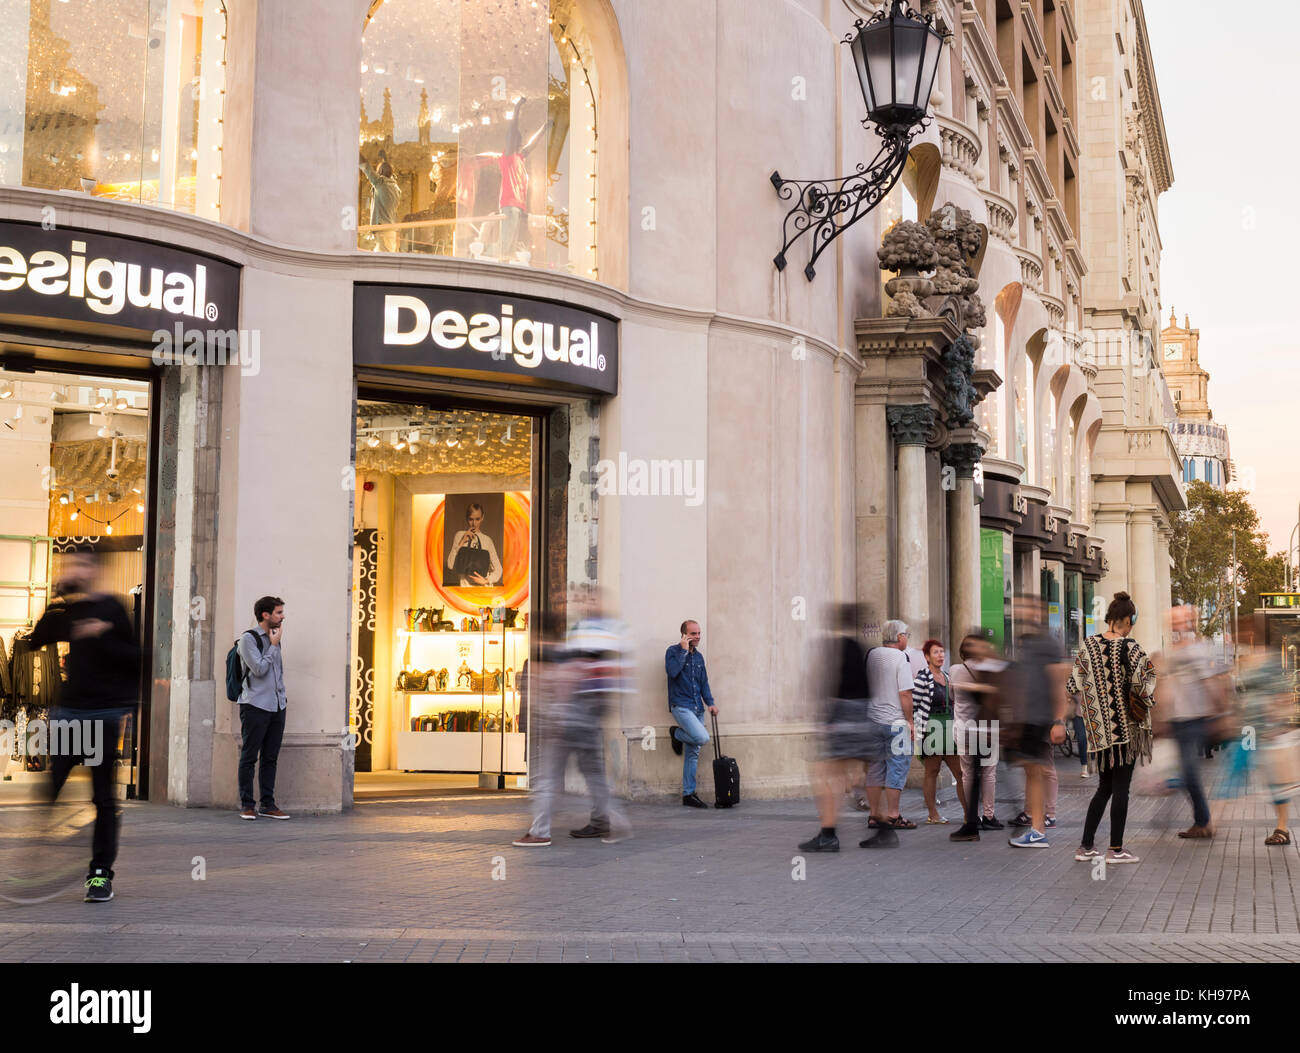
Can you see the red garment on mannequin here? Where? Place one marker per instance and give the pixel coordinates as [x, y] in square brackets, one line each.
[514, 182]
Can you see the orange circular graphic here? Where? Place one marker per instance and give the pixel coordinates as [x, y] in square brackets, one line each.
[513, 590]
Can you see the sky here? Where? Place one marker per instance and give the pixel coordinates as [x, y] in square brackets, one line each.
[1230, 225]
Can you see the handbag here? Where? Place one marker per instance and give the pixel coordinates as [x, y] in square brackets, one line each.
[412, 680]
[1138, 711]
[1281, 764]
[472, 559]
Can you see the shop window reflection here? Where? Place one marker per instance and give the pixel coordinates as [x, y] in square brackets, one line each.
[121, 99]
[478, 132]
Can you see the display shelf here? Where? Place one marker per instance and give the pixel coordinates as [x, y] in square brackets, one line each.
[459, 632]
[459, 751]
[463, 694]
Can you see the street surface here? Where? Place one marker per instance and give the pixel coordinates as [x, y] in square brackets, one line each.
[436, 879]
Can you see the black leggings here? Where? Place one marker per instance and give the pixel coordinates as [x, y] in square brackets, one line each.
[1116, 781]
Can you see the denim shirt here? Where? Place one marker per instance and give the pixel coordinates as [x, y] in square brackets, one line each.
[688, 681]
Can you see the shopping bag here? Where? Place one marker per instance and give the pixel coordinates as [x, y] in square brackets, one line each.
[1281, 765]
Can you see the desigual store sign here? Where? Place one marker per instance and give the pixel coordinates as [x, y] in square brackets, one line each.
[481, 333]
[98, 280]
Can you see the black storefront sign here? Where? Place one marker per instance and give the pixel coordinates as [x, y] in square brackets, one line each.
[485, 335]
[99, 281]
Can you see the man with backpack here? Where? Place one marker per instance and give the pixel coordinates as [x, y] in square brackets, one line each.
[262, 704]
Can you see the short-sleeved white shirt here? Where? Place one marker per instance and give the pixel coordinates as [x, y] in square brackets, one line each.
[888, 673]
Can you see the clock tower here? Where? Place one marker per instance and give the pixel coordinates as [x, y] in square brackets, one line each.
[1202, 444]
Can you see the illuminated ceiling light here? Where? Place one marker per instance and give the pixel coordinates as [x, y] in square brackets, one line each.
[18, 412]
[72, 514]
[372, 441]
[109, 529]
[65, 499]
[101, 399]
[123, 403]
[510, 433]
[6, 389]
[92, 498]
[452, 439]
[482, 436]
[139, 506]
[59, 395]
[135, 490]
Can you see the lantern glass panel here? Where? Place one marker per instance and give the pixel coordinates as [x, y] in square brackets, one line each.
[879, 67]
[909, 49]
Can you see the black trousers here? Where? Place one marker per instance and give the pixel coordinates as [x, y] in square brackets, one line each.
[1112, 786]
[262, 733]
[107, 817]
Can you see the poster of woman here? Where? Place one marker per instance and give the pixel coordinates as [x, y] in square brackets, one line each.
[471, 556]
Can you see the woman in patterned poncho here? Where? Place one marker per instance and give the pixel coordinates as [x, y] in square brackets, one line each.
[1111, 670]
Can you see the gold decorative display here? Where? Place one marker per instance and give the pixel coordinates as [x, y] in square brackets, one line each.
[481, 442]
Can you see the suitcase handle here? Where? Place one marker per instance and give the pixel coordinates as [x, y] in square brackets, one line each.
[717, 751]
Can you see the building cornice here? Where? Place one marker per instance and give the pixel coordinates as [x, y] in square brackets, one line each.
[1153, 117]
[1012, 121]
[1033, 32]
[980, 50]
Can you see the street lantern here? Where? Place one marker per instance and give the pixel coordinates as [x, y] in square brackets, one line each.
[896, 54]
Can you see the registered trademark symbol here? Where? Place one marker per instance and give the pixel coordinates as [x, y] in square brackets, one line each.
[211, 312]
[600, 362]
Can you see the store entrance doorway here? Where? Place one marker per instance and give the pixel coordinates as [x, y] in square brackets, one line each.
[75, 459]
[444, 535]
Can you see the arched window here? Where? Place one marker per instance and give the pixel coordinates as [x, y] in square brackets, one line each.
[121, 99]
[479, 131]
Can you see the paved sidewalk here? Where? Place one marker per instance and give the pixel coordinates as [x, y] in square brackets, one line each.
[437, 880]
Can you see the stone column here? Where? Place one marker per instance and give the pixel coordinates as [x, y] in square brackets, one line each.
[1142, 579]
[963, 543]
[1164, 587]
[911, 426]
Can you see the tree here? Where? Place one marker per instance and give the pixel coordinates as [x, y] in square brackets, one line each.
[1201, 547]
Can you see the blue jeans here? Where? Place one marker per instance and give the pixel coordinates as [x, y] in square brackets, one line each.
[1191, 743]
[692, 734]
[1081, 740]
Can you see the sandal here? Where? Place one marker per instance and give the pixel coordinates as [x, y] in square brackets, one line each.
[873, 823]
[941, 821]
[1278, 837]
[899, 823]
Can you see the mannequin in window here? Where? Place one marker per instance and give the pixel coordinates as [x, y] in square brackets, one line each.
[386, 195]
[514, 181]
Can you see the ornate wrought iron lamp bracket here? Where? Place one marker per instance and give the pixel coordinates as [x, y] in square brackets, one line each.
[828, 207]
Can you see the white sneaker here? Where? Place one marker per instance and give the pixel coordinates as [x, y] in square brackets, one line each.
[1121, 855]
[1086, 774]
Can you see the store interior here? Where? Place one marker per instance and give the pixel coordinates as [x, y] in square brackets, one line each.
[442, 575]
[74, 460]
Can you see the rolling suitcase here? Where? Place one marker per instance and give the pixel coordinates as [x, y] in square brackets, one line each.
[726, 774]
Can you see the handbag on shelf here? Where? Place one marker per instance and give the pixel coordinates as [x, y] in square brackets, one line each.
[412, 680]
[511, 616]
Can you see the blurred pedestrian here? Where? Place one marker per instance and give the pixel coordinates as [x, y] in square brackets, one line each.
[575, 681]
[975, 683]
[932, 709]
[102, 688]
[1192, 693]
[1265, 739]
[1037, 712]
[1116, 682]
[849, 737]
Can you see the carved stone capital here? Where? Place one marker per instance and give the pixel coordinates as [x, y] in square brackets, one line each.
[910, 425]
[963, 456]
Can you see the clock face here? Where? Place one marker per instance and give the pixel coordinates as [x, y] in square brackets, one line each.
[1173, 352]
